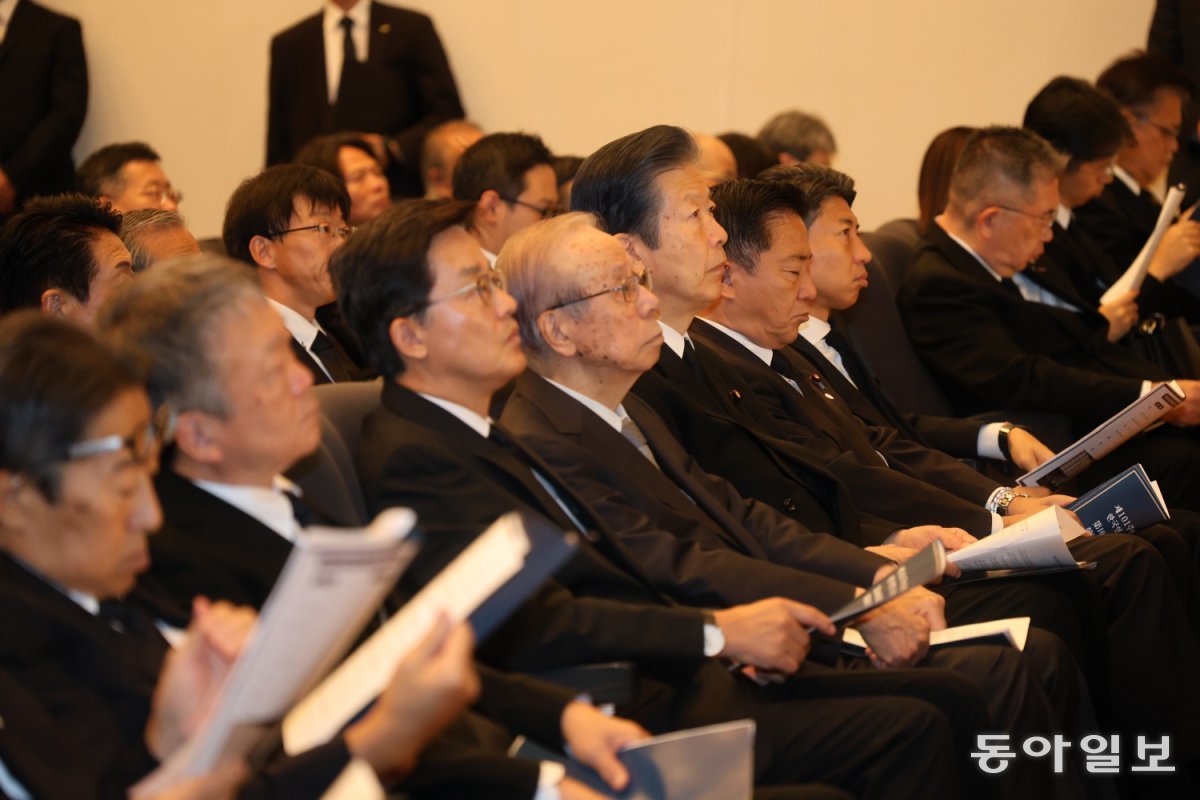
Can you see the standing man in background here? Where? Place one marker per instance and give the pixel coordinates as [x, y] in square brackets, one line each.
[44, 87]
[364, 67]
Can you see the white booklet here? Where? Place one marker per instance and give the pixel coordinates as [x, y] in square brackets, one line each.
[715, 762]
[1106, 437]
[1036, 541]
[333, 581]
[1013, 631]
[1136, 274]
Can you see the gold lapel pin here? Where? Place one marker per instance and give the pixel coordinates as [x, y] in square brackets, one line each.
[385, 28]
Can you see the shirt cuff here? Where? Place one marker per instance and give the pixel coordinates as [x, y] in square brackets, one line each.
[550, 775]
[997, 520]
[1146, 387]
[987, 445]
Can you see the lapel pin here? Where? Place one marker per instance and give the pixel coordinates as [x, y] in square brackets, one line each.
[385, 28]
[735, 394]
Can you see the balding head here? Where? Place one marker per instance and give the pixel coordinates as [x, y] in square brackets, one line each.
[440, 152]
[717, 161]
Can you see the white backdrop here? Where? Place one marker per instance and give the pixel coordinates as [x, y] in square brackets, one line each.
[190, 77]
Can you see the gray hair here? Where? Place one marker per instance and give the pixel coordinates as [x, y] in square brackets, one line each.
[797, 133]
[531, 263]
[999, 164]
[146, 222]
[169, 317]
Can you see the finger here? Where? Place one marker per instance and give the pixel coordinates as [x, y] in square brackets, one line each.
[952, 570]
[609, 767]
[812, 617]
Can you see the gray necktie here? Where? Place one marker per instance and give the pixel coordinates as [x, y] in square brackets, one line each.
[633, 433]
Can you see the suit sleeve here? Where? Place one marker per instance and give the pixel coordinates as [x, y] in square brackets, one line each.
[57, 131]
[435, 87]
[279, 146]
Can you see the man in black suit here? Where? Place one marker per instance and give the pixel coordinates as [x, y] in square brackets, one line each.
[62, 254]
[970, 320]
[1150, 92]
[363, 67]
[287, 221]
[435, 320]
[43, 80]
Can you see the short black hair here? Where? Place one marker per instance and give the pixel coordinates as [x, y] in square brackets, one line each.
[1078, 119]
[105, 164]
[565, 168]
[498, 162]
[745, 208]
[616, 183]
[265, 203]
[322, 152]
[48, 245]
[55, 377]
[1134, 79]
[816, 183]
[752, 157]
[382, 272]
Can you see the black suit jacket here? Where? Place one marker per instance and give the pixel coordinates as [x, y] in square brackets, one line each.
[987, 345]
[718, 419]
[404, 89]
[44, 86]
[1119, 220]
[728, 549]
[870, 402]
[85, 693]
[905, 489]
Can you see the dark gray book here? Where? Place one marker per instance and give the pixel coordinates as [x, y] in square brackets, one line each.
[1124, 503]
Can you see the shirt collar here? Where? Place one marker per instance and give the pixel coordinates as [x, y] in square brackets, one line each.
[481, 425]
[815, 329]
[360, 14]
[764, 353]
[1127, 179]
[613, 418]
[269, 506]
[977, 257]
[1064, 216]
[87, 602]
[674, 339]
[490, 256]
[7, 7]
[302, 330]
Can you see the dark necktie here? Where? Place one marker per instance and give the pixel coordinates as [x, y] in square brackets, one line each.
[349, 55]
[332, 357]
[859, 374]
[1010, 286]
[304, 515]
[781, 365]
[141, 641]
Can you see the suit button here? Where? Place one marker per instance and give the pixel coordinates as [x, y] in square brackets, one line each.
[788, 504]
[735, 394]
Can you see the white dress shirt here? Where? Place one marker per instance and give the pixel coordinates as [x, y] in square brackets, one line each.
[303, 330]
[674, 339]
[360, 15]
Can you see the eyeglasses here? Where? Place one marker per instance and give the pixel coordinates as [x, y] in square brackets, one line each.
[1045, 219]
[628, 289]
[1170, 133]
[486, 285]
[157, 196]
[142, 445]
[545, 213]
[332, 231]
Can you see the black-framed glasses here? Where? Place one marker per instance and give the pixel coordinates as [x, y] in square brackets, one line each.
[1170, 133]
[628, 289]
[545, 213]
[1045, 219]
[142, 445]
[486, 286]
[333, 231]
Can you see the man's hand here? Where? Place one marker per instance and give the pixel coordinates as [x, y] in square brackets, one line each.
[595, 739]
[1122, 315]
[894, 636]
[1026, 450]
[430, 687]
[194, 673]
[1180, 246]
[1186, 413]
[893, 552]
[922, 536]
[1024, 507]
[770, 634]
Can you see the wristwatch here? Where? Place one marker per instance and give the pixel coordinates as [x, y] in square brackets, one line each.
[714, 639]
[1002, 500]
[1002, 439]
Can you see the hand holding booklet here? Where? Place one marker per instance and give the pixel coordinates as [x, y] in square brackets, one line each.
[1136, 274]
[926, 566]
[1036, 541]
[1013, 631]
[1106, 437]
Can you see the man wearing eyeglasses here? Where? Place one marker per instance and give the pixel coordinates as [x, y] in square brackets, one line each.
[510, 178]
[128, 175]
[287, 221]
[987, 339]
[1150, 91]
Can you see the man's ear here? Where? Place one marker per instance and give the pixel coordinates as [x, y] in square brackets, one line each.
[985, 221]
[488, 207]
[551, 325]
[196, 437]
[787, 159]
[53, 302]
[729, 276]
[633, 245]
[408, 337]
[262, 250]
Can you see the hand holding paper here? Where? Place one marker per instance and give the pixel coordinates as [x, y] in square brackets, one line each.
[1133, 278]
[597, 740]
[770, 634]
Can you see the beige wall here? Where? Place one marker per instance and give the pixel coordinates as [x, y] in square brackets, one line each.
[190, 77]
